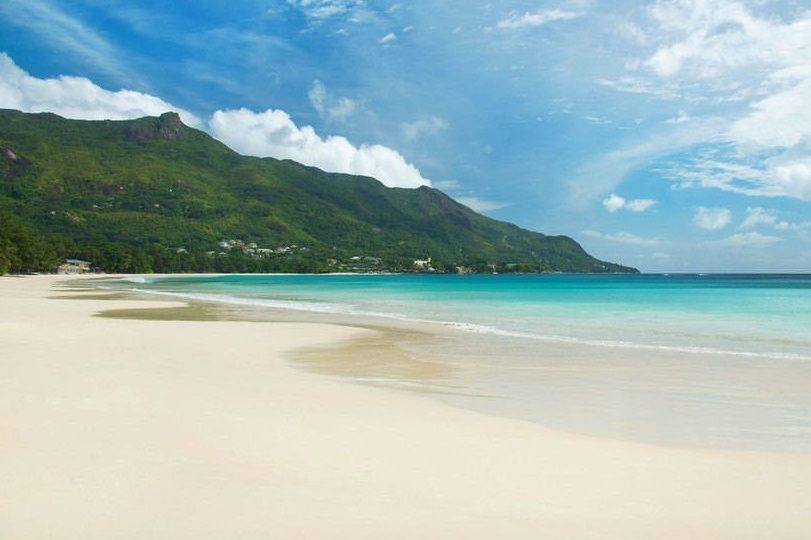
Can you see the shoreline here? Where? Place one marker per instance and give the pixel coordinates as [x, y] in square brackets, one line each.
[396, 321]
[202, 429]
[656, 395]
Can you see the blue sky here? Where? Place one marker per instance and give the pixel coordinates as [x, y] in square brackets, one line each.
[672, 135]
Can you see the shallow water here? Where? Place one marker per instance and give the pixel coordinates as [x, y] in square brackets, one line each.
[720, 361]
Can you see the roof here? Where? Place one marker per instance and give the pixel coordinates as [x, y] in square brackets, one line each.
[76, 261]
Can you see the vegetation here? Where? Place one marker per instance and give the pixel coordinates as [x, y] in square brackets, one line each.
[153, 195]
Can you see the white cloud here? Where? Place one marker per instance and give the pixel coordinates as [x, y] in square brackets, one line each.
[706, 39]
[269, 134]
[756, 217]
[535, 18]
[622, 238]
[780, 120]
[317, 95]
[631, 31]
[274, 134]
[793, 177]
[752, 239]
[328, 107]
[324, 9]
[77, 97]
[604, 172]
[680, 119]
[66, 33]
[714, 51]
[481, 205]
[712, 219]
[424, 127]
[779, 176]
[342, 109]
[598, 120]
[639, 205]
[388, 38]
[614, 202]
[636, 85]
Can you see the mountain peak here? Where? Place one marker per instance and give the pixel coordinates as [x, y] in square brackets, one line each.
[170, 125]
[167, 126]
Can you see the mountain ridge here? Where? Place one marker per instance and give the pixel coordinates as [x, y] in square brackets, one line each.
[152, 194]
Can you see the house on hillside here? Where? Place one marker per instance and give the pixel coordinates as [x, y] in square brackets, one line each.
[74, 266]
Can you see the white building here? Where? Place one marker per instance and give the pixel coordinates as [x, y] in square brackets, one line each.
[74, 266]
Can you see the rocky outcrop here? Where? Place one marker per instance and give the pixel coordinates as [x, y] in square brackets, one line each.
[168, 127]
[12, 164]
[9, 154]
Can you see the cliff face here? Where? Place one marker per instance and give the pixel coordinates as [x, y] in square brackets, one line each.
[143, 188]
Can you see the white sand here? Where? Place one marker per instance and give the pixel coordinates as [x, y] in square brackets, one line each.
[119, 429]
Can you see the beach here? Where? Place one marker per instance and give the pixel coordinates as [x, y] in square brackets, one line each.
[127, 428]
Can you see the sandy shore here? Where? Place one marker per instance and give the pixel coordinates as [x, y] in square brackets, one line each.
[142, 429]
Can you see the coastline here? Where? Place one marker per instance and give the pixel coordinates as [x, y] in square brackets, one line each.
[135, 428]
[652, 393]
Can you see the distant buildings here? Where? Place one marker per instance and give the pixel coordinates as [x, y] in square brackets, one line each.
[74, 266]
[253, 249]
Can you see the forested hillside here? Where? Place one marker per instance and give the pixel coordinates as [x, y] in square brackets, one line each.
[155, 195]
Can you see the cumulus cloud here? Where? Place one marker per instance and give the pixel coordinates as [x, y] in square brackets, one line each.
[424, 127]
[792, 177]
[705, 39]
[712, 219]
[481, 205]
[780, 120]
[535, 18]
[327, 106]
[614, 202]
[273, 133]
[622, 238]
[269, 134]
[388, 38]
[77, 97]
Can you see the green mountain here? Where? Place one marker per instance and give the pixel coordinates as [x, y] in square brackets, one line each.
[155, 195]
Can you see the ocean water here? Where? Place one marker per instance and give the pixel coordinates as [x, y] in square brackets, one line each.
[757, 315]
[706, 360]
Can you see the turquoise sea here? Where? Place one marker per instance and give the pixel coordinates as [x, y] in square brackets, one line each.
[708, 360]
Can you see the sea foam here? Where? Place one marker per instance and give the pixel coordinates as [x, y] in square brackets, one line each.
[352, 310]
